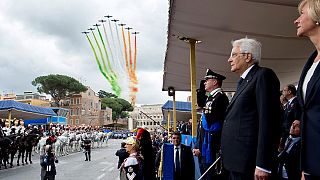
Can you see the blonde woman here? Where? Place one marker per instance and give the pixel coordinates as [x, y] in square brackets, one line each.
[131, 168]
[308, 92]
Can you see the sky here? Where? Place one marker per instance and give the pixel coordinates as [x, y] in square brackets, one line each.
[42, 37]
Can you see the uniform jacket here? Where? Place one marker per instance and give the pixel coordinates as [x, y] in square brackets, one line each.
[217, 105]
[251, 130]
[44, 166]
[87, 144]
[310, 126]
[132, 168]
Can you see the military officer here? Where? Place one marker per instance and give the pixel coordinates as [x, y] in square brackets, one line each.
[209, 129]
[87, 148]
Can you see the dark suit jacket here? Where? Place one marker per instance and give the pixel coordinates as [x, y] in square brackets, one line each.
[310, 126]
[291, 113]
[187, 163]
[291, 160]
[122, 154]
[251, 130]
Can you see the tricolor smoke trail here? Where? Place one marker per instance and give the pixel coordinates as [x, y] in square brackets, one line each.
[125, 49]
[108, 73]
[130, 68]
[115, 58]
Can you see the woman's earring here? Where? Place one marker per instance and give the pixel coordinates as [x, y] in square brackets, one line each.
[317, 23]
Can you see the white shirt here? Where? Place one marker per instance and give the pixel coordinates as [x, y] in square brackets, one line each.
[174, 154]
[290, 100]
[307, 79]
[245, 73]
[212, 93]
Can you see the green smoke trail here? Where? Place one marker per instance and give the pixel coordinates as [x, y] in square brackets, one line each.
[105, 51]
[97, 60]
[112, 79]
[114, 82]
[102, 57]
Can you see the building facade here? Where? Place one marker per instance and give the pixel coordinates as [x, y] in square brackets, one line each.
[85, 109]
[8, 96]
[34, 99]
[147, 116]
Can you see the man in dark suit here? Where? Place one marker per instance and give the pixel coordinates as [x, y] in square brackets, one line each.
[289, 158]
[291, 112]
[183, 159]
[209, 136]
[122, 154]
[251, 130]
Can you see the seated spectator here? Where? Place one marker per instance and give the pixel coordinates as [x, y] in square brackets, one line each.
[289, 158]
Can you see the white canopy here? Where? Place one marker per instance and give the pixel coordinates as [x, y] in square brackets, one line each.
[216, 23]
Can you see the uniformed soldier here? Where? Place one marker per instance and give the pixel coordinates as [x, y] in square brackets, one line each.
[210, 125]
[131, 168]
[47, 162]
[87, 148]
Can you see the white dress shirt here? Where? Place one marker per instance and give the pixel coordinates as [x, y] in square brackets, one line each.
[307, 79]
[245, 73]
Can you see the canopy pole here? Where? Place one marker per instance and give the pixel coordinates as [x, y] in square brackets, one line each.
[169, 119]
[174, 113]
[193, 76]
[9, 117]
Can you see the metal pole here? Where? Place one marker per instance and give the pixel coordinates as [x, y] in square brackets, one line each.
[174, 113]
[9, 117]
[141, 112]
[209, 168]
[169, 119]
[192, 43]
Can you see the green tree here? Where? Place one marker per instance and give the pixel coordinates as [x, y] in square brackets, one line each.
[104, 94]
[58, 86]
[120, 107]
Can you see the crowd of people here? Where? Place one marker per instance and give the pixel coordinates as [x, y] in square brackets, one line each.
[140, 156]
[260, 134]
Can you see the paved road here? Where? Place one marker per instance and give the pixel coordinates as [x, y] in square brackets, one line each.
[103, 165]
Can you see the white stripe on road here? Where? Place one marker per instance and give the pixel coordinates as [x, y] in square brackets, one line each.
[101, 176]
[106, 163]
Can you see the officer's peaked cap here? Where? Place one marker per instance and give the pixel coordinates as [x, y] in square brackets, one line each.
[212, 75]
